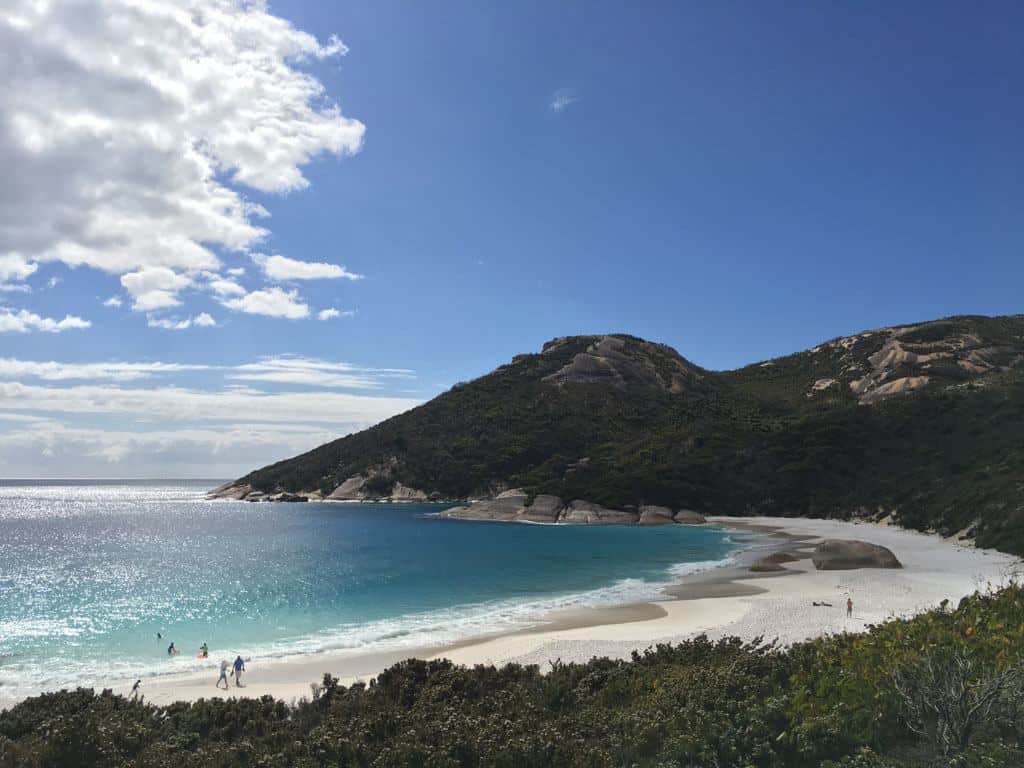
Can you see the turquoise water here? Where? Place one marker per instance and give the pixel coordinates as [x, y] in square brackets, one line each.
[91, 572]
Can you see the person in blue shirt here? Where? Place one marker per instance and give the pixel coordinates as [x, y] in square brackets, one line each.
[239, 669]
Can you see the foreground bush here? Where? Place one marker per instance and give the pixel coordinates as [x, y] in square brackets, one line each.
[852, 701]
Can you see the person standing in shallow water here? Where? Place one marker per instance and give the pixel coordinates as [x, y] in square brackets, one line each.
[849, 607]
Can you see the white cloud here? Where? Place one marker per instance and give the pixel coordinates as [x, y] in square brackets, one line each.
[11, 368]
[562, 99]
[272, 302]
[282, 268]
[160, 404]
[113, 301]
[328, 314]
[154, 288]
[313, 372]
[24, 321]
[47, 447]
[202, 320]
[15, 288]
[131, 125]
[136, 419]
[223, 287]
[236, 271]
[14, 266]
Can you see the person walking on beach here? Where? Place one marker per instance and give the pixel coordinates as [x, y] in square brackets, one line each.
[239, 669]
[849, 607]
[134, 695]
[224, 667]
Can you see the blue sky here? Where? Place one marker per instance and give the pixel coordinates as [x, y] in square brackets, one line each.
[738, 180]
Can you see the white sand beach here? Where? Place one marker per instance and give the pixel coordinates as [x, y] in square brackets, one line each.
[730, 600]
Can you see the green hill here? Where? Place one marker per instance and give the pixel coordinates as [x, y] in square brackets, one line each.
[924, 422]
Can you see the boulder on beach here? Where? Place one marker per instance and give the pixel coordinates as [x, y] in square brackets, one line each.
[654, 515]
[846, 554]
[589, 513]
[771, 563]
[689, 517]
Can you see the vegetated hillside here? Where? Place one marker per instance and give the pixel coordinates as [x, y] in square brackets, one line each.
[943, 688]
[924, 421]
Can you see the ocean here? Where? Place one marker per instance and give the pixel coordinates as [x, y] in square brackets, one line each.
[92, 571]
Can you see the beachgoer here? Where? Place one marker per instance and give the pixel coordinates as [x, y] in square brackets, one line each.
[171, 650]
[205, 649]
[135, 690]
[849, 607]
[224, 666]
[159, 636]
[239, 669]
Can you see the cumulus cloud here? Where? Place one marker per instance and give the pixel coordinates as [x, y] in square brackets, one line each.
[113, 301]
[154, 288]
[282, 268]
[224, 287]
[14, 266]
[129, 128]
[24, 321]
[273, 302]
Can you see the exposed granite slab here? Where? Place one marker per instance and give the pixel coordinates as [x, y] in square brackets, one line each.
[655, 515]
[589, 513]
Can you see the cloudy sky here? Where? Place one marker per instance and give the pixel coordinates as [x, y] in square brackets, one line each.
[230, 231]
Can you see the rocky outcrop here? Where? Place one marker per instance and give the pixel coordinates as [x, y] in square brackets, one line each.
[771, 563]
[589, 513]
[505, 508]
[689, 517]
[350, 490]
[613, 360]
[653, 515]
[401, 492]
[545, 509]
[512, 506]
[230, 491]
[847, 554]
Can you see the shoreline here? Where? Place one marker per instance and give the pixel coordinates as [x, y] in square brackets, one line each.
[720, 601]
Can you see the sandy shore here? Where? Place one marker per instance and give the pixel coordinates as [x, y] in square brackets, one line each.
[724, 601]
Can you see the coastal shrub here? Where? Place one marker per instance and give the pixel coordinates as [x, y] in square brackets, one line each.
[833, 701]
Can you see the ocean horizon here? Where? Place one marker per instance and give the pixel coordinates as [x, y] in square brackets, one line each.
[98, 577]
